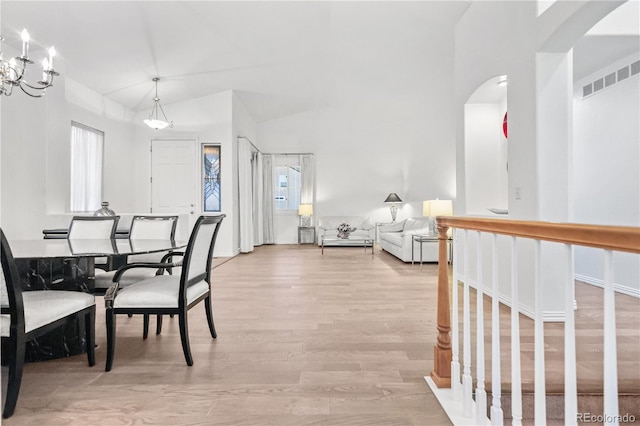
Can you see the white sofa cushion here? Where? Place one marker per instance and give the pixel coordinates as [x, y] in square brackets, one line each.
[397, 239]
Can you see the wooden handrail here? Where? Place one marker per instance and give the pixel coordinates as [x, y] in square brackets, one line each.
[617, 238]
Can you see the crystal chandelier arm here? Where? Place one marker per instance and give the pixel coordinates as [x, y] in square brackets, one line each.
[13, 74]
[39, 95]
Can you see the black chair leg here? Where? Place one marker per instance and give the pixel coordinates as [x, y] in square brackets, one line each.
[111, 338]
[145, 326]
[159, 324]
[184, 337]
[16, 363]
[90, 335]
[207, 308]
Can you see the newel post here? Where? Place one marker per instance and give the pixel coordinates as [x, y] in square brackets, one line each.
[441, 373]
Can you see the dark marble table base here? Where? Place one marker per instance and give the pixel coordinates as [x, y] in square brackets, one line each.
[74, 274]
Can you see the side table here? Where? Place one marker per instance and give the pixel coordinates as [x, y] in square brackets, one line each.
[420, 239]
[310, 229]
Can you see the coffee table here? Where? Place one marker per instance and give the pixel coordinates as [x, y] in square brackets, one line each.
[352, 241]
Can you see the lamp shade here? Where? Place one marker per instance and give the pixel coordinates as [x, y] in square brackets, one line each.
[393, 198]
[440, 207]
[305, 210]
[426, 208]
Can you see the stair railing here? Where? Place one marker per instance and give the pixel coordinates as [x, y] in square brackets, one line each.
[447, 373]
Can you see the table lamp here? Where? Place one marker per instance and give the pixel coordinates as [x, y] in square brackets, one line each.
[305, 211]
[393, 199]
[438, 208]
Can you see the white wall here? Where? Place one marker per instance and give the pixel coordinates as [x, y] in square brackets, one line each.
[485, 158]
[36, 155]
[488, 45]
[207, 120]
[371, 145]
[606, 174]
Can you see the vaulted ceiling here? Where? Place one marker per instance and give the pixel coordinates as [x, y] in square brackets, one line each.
[281, 57]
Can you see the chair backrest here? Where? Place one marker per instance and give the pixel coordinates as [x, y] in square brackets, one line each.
[93, 227]
[196, 265]
[12, 318]
[153, 227]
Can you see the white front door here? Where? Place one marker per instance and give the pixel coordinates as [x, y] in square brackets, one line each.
[174, 177]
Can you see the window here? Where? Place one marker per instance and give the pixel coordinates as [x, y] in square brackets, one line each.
[287, 187]
[86, 168]
[211, 178]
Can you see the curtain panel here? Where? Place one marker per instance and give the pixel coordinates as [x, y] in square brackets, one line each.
[268, 206]
[245, 195]
[86, 168]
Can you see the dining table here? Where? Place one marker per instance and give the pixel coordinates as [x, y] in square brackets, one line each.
[70, 264]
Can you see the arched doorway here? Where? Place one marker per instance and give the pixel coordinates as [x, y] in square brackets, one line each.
[486, 152]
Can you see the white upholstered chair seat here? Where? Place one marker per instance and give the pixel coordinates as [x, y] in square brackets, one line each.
[157, 292]
[44, 307]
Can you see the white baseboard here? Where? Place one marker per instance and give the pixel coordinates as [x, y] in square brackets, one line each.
[451, 407]
[618, 288]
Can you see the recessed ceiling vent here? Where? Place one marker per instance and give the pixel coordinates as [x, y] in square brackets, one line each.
[611, 79]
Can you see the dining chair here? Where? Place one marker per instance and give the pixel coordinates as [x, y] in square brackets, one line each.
[142, 228]
[31, 314]
[168, 294]
[94, 228]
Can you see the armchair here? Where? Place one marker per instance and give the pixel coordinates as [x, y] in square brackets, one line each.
[168, 294]
[31, 314]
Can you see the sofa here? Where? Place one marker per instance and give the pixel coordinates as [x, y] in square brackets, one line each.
[328, 227]
[397, 238]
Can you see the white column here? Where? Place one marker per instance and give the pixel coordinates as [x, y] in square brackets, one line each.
[540, 415]
[570, 380]
[610, 352]
[467, 397]
[456, 386]
[481, 393]
[497, 416]
[516, 379]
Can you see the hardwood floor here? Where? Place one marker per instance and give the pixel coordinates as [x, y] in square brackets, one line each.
[303, 339]
[306, 339]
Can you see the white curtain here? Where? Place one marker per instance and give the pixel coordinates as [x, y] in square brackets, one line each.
[257, 199]
[307, 179]
[86, 168]
[268, 207]
[245, 195]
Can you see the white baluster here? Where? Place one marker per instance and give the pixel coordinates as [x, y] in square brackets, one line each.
[570, 380]
[456, 386]
[497, 416]
[540, 415]
[467, 397]
[610, 352]
[481, 393]
[516, 380]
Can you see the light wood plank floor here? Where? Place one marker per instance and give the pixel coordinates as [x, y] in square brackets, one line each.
[303, 339]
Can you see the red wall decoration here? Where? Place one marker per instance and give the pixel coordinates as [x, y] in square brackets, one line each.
[504, 125]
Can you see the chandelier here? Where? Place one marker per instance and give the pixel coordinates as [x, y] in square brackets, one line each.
[13, 70]
[154, 120]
